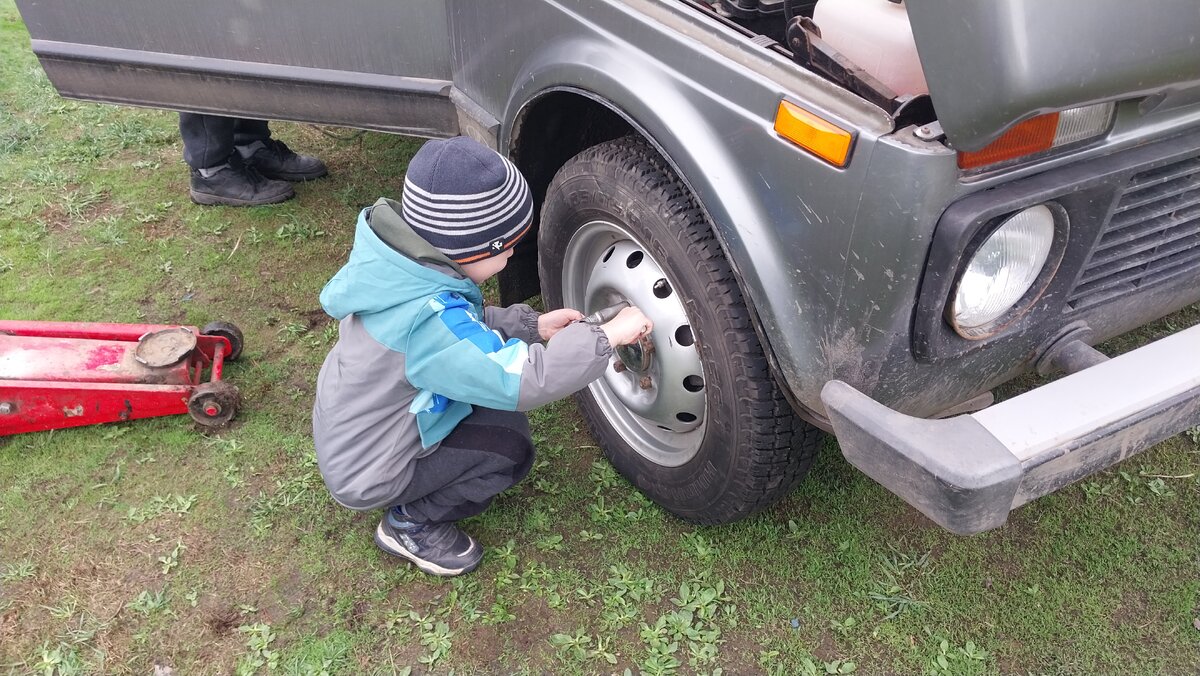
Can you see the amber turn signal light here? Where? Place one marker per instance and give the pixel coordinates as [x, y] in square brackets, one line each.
[1031, 136]
[1042, 133]
[823, 139]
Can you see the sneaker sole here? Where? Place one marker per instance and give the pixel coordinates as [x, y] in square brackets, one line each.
[295, 178]
[216, 200]
[388, 544]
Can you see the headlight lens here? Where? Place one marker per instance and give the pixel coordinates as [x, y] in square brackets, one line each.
[1003, 269]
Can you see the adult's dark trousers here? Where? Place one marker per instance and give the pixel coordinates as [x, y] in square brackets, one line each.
[208, 140]
[487, 452]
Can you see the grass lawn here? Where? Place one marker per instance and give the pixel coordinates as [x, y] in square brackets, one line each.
[127, 546]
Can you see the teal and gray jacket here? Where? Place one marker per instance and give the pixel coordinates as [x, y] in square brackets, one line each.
[416, 351]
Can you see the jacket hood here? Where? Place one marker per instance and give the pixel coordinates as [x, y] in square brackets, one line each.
[387, 223]
[391, 266]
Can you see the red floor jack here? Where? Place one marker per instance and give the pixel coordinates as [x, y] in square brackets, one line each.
[67, 374]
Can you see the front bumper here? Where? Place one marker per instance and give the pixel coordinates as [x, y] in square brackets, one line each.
[968, 472]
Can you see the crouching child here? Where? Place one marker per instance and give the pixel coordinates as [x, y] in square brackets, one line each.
[419, 406]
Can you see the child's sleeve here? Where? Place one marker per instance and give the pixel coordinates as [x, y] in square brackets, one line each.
[515, 321]
[452, 353]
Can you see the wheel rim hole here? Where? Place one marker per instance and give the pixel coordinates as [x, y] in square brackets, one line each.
[608, 254]
[685, 417]
[662, 288]
[693, 383]
[683, 336]
[634, 260]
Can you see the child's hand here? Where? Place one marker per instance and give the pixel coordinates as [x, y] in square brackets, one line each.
[627, 327]
[552, 322]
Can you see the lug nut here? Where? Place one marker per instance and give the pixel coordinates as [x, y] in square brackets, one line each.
[619, 366]
[5, 408]
[646, 383]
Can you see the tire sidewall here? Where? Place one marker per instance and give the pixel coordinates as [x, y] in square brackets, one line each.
[589, 190]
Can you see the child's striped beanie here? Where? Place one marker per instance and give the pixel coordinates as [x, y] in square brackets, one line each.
[465, 199]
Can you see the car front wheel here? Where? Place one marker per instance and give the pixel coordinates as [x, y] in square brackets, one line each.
[692, 416]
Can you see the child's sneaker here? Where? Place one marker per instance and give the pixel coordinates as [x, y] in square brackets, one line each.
[438, 549]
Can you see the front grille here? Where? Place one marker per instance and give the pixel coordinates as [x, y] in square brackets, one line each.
[1153, 236]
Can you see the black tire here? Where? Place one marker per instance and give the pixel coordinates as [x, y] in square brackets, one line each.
[228, 331]
[213, 405]
[756, 450]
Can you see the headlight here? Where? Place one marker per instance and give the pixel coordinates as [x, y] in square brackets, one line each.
[1002, 270]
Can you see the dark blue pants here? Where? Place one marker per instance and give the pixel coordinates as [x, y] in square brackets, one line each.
[487, 452]
[208, 140]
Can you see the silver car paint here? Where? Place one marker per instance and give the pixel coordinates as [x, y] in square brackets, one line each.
[385, 38]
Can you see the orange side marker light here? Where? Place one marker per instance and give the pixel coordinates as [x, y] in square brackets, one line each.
[823, 139]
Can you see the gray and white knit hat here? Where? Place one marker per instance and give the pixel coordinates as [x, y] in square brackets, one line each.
[465, 199]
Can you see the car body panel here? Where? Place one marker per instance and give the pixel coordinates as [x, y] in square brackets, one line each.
[393, 37]
[992, 63]
[384, 65]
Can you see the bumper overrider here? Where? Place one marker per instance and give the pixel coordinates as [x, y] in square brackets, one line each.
[968, 472]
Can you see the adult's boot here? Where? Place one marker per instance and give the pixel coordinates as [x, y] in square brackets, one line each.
[274, 159]
[237, 184]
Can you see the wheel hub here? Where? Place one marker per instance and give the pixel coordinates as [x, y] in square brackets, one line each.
[637, 356]
[654, 396]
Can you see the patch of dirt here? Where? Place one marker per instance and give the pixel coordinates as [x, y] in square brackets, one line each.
[1004, 558]
[1135, 609]
[315, 318]
[56, 218]
[1006, 663]
[220, 618]
[303, 382]
[532, 613]
[161, 228]
[8, 625]
[358, 614]
[739, 654]
[905, 520]
[528, 636]
[826, 648]
[801, 508]
[421, 595]
[483, 644]
[92, 592]
[292, 589]
[105, 207]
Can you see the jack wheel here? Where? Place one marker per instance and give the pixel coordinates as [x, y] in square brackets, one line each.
[213, 404]
[229, 332]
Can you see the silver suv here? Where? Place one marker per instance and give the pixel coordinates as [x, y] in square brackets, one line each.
[818, 250]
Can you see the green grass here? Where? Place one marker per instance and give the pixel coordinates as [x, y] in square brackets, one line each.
[126, 546]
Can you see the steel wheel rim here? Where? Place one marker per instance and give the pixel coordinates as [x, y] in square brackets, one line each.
[603, 264]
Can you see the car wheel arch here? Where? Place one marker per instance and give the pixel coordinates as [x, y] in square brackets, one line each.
[521, 147]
